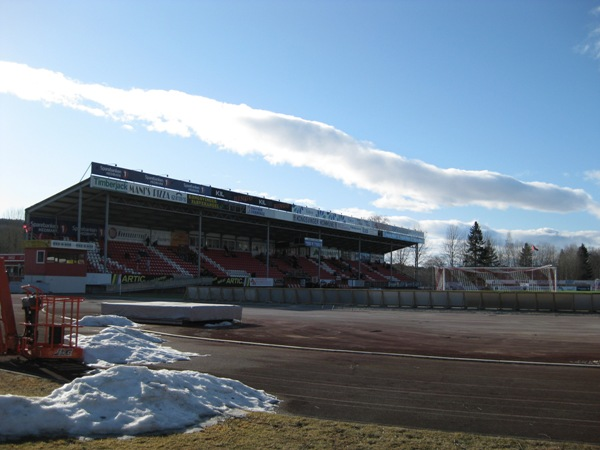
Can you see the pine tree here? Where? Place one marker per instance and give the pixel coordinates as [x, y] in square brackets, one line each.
[475, 250]
[526, 256]
[490, 256]
[583, 268]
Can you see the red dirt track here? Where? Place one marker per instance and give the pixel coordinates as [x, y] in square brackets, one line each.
[556, 401]
[510, 336]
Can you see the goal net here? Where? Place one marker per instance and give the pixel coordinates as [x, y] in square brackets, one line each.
[496, 278]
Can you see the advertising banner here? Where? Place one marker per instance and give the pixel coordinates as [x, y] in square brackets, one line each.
[128, 234]
[138, 189]
[270, 213]
[312, 242]
[133, 278]
[135, 176]
[46, 228]
[206, 202]
[230, 281]
[260, 282]
[73, 245]
[157, 193]
[164, 188]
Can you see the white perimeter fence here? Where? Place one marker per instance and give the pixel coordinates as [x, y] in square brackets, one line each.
[485, 300]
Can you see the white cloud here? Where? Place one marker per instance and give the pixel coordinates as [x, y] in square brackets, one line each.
[400, 183]
[436, 230]
[591, 45]
[593, 175]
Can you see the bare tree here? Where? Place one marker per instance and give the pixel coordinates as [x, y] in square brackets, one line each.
[434, 261]
[14, 214]
[567, 263]
[379, 219]
[453, 245]
[402, 256]
[546, 255]
[509, 253]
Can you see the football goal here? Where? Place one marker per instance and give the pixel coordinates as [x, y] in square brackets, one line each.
[496, 278]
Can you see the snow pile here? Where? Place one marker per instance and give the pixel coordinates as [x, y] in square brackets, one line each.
[127, 345]
[127, 400]
[106, 320]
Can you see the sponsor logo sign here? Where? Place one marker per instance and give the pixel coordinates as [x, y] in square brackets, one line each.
[72, 245]
[136, 176]
[138, 189]
[132, 278]
[108, 184]
[205, 202]
[43, 227]
[230, 281]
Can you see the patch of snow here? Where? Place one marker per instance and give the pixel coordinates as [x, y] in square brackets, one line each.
[128, 400]
[125, 345]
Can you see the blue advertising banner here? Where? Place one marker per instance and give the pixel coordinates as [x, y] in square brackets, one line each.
[48, 228]
[136, 176]
[147, 178]
[250, 199]
[208, 197]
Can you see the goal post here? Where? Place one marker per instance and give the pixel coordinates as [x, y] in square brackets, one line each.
[496, 278]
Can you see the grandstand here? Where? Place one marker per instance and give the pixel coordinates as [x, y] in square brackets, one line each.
[125, 226]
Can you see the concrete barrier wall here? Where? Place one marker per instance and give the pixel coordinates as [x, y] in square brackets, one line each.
[402, 298]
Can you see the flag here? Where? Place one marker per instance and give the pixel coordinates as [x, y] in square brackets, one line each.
[533, 247]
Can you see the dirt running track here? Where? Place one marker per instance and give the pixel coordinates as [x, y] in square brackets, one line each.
[363, 381]
[366, 376]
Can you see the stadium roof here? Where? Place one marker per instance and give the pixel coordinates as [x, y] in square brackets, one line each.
[87, 204]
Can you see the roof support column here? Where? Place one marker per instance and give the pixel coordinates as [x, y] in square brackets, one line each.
[319, 273]
[359, 255]
[105, 244]
[391, 262]
[268, 247]
[79, 212]
[416, 262]
[199, 244]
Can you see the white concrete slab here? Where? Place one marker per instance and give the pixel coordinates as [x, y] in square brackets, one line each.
[173, 312]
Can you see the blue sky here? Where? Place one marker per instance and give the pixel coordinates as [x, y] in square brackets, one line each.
[428, 113]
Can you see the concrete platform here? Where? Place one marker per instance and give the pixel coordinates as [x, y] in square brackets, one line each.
[173, 312]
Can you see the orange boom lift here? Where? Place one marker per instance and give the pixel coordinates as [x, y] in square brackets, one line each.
[50, 329]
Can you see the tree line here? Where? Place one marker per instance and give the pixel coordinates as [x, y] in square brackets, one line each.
[11, 236]
[478, 250]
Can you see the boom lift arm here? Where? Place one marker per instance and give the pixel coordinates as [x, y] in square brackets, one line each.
[9, 339]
